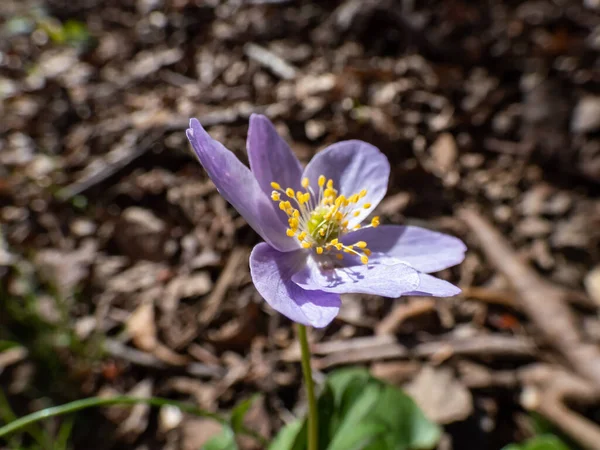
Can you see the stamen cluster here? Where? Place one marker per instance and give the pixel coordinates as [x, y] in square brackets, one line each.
[318, 220]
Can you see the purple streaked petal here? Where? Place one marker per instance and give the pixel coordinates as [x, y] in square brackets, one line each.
[271, 273]
[386, 280]
[425, 250]
[353, 166]
[238, 186]
[271, 158]
[431, 286]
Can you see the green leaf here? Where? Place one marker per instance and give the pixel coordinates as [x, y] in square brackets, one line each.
[371, 405]
[292, 436]
[543, 442]
[223, 441]
[408, 428]
[239, 413]
[358, 437]
[359, 412]
[76, 33]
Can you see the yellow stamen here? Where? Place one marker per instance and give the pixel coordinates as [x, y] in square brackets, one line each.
[321, 220]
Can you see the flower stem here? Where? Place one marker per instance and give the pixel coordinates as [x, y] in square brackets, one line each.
[313, 419]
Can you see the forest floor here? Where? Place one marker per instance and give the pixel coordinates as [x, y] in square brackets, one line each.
[123, 271]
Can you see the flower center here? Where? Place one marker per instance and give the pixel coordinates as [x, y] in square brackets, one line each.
[318, 220]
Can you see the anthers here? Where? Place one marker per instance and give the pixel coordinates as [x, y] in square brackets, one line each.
[319, 219]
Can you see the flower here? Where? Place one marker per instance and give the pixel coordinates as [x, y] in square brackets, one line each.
[316, 245]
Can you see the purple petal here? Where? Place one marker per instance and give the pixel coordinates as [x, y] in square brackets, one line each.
[434, 287]
[425, 250]
[373, 278]
[238, 186]
[271, 159]
[271, 273]
[353, 166]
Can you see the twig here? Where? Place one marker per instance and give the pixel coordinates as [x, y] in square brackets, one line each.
[125, 156]
[270, 60]
[381, 352]
[403, 311]
[481, 345]
[386, 347]
[213, 302]
[490, 296]
[139, 358]
[292, 354]
[542, 302]
[506, 298]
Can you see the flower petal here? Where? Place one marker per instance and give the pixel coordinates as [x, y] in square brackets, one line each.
[238, 186]
[387, 280]
[271, 158]
[271, 273]
[425, 250]
[353, 166]
[431, 286]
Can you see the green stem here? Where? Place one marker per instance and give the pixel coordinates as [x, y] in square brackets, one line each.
[92, 402]
[313, 418]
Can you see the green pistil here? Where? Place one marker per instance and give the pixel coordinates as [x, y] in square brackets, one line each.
[317, 224]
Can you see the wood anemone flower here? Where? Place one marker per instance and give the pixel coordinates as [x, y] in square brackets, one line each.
[317, 243]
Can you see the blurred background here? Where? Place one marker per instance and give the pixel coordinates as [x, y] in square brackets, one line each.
[123, 271]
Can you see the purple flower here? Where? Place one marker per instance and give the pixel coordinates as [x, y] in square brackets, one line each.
[316, 245]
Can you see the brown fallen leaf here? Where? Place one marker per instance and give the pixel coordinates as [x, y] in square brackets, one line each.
[141, 326]
[441, 396]
[196, 432]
